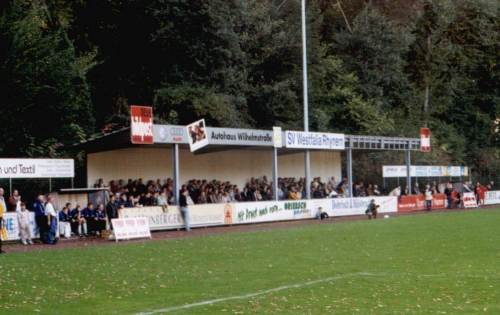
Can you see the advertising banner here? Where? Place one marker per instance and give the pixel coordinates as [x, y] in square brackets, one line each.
[159, 218]
[424, 171]
[314, 140]
[469, 200]
[425, 140]
[130, 228]
[417, 202]
[170, 134]
[265, 211]
[37, 168]
[492, 197]
[141, 124]
[168, 218]
[240, 137]
[358, 206]
[11, 224]
[197, 135]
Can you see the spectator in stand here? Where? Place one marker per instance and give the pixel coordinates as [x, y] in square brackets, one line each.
[100, 219]
[50, 213]
[376, 191]
[396, 192]
[3, 230]
[65, 221]
[78, 222]
[23, 219]
[14, 202]
[428, 197]
[40, 218]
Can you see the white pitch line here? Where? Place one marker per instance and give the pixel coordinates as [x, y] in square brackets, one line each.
[258, 293]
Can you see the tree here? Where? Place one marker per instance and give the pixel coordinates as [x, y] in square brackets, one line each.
[43, 85]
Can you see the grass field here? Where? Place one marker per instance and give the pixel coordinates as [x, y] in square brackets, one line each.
[442, 263]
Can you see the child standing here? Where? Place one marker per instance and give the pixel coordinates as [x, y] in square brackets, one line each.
[23, 218]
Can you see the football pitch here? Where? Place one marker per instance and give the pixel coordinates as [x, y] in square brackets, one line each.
[438, 263]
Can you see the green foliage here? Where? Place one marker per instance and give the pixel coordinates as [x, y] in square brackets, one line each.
[374, 68]
[44, 90]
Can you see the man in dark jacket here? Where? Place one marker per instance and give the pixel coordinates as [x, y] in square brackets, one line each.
[112, 210]
[40, 218]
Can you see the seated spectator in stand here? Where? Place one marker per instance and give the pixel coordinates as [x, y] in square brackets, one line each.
[161, 199]
[376, 191]
[90, 218]
[78, 222]
[23, 218]
[316, 192]
[65, 221]
[130, 202]
[396, 192]
[100, 219]
[294, 195]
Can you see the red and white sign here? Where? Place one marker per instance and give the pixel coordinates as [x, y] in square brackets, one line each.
[417, 202]
[129, 228]
[425, 140]
[469, 200]
[141, 124]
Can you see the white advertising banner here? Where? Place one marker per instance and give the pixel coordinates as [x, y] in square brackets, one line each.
[469, 200]
[265, 211]
[243, 137]
[37, 168]
[170, 217]
[159, 218]
[424, 171]
[11, 224]
[492, 197]
[314, 140]
[130, 228]
[355, 206]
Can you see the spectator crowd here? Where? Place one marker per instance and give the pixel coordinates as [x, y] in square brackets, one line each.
[95, 219]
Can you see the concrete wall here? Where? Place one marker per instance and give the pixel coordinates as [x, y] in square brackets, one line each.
[236, 166]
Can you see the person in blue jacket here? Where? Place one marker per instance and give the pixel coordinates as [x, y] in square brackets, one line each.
[78, 222]
[40, 218]
[89, 214]
[100, 223]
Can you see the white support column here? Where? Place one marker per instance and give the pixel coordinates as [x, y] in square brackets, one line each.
[275, 173]
[175, 161]
[307, 157]
[408, 169]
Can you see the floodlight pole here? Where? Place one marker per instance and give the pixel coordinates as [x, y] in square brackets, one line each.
[175, 161]
[307, 157]
[408, 169]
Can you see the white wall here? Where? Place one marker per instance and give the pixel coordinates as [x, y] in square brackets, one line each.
[236, 166]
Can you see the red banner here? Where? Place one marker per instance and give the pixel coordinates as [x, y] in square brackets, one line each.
[417, 202]
[141, 124]
[425, 140]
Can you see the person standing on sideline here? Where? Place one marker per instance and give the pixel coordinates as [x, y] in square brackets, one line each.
[428, 198]
[23, 218]
[50, 213]
[14, 203]
[40, 218]
[112, 210]
[3, 231]
[448, 192]
[184, 207]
